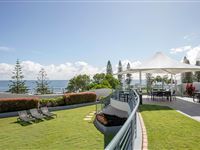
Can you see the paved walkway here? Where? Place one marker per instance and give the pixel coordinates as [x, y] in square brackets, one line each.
[183, 105]
[89, 116]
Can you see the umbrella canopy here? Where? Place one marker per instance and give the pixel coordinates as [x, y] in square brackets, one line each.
[160, 63]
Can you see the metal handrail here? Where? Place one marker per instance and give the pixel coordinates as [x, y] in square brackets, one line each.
[103, 103]
[128, 125]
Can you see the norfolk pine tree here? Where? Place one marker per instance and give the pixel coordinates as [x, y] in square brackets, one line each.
[120, 69]
[109, 68]
[17, 83]
[42, 86]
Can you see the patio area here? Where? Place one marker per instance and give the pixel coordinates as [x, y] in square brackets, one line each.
[183, 105]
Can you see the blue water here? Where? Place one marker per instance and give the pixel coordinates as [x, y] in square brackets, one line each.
[57, 86]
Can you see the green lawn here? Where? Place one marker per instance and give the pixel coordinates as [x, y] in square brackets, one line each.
[69, 131]
[168, 129]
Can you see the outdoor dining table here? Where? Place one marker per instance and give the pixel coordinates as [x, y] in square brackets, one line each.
[162, 94]
[124, 95]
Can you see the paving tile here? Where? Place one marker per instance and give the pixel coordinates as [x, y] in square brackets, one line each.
[87, 119]
[88, 116]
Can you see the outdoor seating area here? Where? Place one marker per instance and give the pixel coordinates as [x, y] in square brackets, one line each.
[161, 95]
[34, 115]
[124, 96]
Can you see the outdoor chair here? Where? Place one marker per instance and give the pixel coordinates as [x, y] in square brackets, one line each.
[23, 116]
[34, 113]
[46, 112]
[149, 95]
[174, 95]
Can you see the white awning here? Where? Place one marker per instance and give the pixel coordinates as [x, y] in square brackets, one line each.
[160, 63]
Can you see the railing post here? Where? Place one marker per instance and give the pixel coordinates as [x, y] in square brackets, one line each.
[135, 124]
[132, 134]
[140, 95]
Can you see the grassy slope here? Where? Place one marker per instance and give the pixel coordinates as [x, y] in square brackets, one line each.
[68, 131]
[168, 129]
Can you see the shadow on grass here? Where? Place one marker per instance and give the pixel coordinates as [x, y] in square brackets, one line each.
[146, 107]
[49, 118]
[22, 123]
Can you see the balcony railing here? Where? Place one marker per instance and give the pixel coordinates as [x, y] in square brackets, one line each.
[124, 139]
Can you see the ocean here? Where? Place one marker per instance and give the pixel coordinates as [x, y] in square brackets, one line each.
[57, 86]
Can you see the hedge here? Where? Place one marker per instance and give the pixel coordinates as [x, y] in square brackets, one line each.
[16, 104]
[77, 98]
[52, 102]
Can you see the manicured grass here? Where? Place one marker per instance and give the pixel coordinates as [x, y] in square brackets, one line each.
[168, 129]
[67, 131]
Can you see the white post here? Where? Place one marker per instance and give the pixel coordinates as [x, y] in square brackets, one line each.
[171, 84]
[175, 83]
[140, 76]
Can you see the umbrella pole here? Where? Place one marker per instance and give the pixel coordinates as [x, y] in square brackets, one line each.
[171, 84]
[140, 76]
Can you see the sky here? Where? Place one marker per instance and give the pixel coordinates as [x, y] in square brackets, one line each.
[68, 38]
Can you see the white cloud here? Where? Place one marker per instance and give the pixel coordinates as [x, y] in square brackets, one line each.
[180, 49]
[5, 49]
[192, 37]
[186, 37]
[61, 71]
[6, 70]
[193, 54]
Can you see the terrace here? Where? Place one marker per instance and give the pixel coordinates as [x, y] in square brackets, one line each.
[165, 127]
[121, 123]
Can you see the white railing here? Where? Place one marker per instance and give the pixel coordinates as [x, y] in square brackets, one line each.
[124, 139]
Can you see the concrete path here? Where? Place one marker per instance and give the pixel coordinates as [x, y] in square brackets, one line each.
[183, 105]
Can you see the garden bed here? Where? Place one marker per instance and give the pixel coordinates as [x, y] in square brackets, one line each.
[110, 120]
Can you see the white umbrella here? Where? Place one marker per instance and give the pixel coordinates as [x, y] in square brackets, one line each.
[160, 63]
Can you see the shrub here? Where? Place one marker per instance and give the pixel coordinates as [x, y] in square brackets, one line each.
[16, 104]
[52, 102]
[77, 98]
